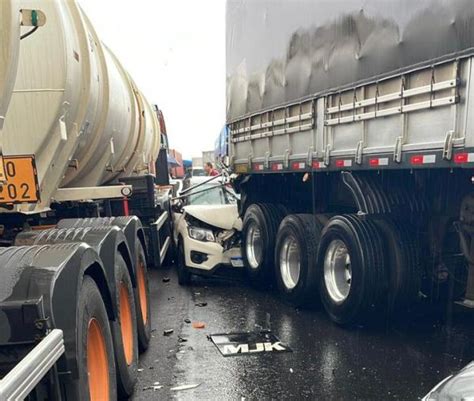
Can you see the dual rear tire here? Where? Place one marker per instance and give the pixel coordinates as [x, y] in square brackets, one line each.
[356, 267]
[108, 350]
[295, 258]
[95, 347]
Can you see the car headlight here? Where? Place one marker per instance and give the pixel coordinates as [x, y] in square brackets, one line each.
[201, 234]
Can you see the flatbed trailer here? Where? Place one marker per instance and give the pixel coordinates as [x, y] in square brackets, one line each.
[358, 194]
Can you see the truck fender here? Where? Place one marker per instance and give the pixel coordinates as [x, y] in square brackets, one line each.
[50, 276]
[131, 226]
[106, 240]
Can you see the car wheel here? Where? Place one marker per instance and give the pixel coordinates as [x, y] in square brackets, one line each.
[184, 276]
[353, 277]
[295, 258]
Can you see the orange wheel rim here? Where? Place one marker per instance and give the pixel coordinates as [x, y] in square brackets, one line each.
[97, 363]
[126, 323]
[142, 291]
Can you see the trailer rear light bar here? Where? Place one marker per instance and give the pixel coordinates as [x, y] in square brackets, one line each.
[422, 159]
[378, 161]
[298, 166]
[23, 378]
[318, 165]
[277, 166]
[461, 158]
[343, 163]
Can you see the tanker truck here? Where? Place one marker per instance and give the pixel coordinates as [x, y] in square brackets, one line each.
[352, 137]
[81, 216]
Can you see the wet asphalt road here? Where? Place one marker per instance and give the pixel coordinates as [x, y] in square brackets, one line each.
[392, 361]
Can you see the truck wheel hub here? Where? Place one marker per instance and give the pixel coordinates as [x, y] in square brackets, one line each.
[338, 271]
[290, 266]
[254, 246]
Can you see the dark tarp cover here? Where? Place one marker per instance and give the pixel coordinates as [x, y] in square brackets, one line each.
[279, 51]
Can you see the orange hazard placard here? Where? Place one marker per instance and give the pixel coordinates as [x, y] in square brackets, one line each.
[21, 184]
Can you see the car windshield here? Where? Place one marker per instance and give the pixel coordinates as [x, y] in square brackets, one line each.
[211, 194]
[198, 172]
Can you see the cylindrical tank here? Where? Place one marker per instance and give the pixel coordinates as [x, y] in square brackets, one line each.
[10, 40]
[75, 107]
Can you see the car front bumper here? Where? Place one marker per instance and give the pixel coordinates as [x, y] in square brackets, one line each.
[206, 256]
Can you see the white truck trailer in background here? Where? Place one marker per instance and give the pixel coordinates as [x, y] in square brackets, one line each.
[352, 131]
[80, 215]
[208, 156]
[197, 162]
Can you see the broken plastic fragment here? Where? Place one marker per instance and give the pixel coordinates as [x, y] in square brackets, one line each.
[168, 332]
[199, 325]
[185, 387]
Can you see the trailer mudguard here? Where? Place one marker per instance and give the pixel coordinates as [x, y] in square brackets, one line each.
[106, 240]
[130, 225]
[50, 277]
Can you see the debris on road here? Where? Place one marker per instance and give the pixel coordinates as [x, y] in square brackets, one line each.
[248, 343]
[166, 280]
[168, 332]
[199, 325]
[201, 304]
[140, 370]
[182, 339]
[154, 388]
[187, 320]
[185, 387]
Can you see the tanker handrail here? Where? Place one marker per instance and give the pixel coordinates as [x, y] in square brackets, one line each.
[23, 378]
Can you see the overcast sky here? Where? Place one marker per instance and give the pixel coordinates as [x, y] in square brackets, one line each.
[174, 50]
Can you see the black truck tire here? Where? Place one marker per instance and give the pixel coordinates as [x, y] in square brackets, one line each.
[142, 300]
[295, 258]
[124, 331]
[184, 275]
[403, 262]
[260, 227]
[95, 348]
[353, 278]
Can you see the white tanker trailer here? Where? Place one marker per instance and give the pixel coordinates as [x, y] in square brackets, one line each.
[79, 144]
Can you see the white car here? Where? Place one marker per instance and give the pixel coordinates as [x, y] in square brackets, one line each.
[207, 230]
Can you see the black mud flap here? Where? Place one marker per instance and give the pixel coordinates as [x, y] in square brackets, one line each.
[248, 343]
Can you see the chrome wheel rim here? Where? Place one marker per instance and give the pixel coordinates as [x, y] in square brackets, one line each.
[290, 262]
[338, 271]
[254, 246]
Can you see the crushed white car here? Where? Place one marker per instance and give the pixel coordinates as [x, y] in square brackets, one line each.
[207, 230]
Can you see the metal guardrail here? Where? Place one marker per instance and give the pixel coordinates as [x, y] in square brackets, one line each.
[23, 378]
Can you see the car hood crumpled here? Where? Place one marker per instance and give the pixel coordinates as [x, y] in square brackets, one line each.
[221, 216]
